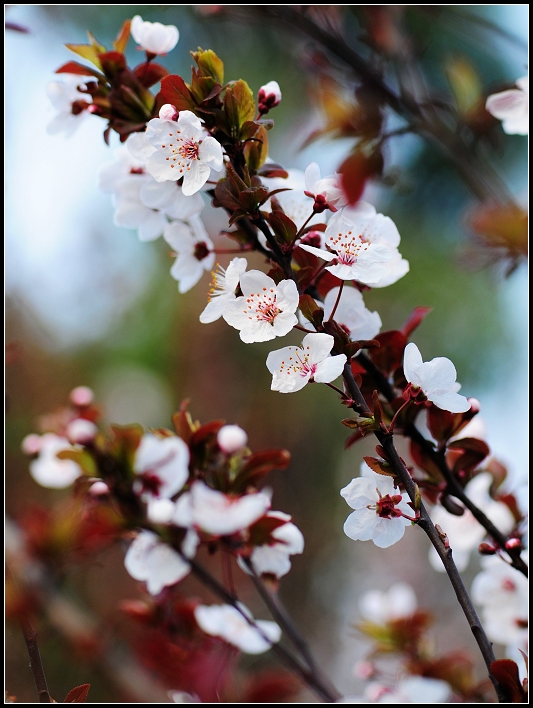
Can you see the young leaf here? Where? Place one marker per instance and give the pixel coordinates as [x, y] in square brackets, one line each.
[78, 694]
[209, 64]
[119, 45]
[74, 67]
[239, 106]
[86, 51]
[174, 90]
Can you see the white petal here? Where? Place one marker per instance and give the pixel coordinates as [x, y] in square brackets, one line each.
[329, 369]
[211, 152]
[195, 177]
[321, 253]
[317, 346]
[388, 531]
[412, 361]
[152, 226]
[360, 525]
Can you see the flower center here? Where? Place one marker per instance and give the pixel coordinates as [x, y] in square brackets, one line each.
[385, 507]
[508, 585]
[218, 283]
[189, 150]
[348, 246]
[263, 306]
[298, 364]
[201, 251]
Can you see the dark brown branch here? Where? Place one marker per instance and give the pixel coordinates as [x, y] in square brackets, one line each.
[36, 664]
[454, 488]
[437, 541]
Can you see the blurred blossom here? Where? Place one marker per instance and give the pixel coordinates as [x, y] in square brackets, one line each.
[228, 623]
[382, 607]
[512, 108]
[154, 37]
[48, 470]
[231, 438]
[70, 104]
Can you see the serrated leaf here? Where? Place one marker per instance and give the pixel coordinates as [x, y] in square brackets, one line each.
[209, 64]
[78, 694]
[239, 107]
[87, 51]
[149, 74]
[174, 90]
[379, 466]
[100, 48]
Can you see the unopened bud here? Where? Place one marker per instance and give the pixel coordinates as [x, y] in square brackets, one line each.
[513, 544]
[485, 549]
[160, 511]
[31, 445]
[475, 405]
[231, 438]
[81, 431]
[268, 97]
[81, 396]
[168, 112]
[313, 238]
[99, 488]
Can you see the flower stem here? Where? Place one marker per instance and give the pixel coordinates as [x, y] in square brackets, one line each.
[341, 286]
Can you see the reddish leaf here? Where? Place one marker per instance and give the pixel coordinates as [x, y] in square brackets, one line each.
[258, 465]
[205, 432]
[389, 356]
[474, 452]
[174, 90]
[284, 228]
[261, 530]
[423, 460]
[415, 319]
[272, 688]
[183, 423]
[356, 170]
[119, 45]
[309, 309]
[379, 466]
[112, 63]
[505, 671]
[149, 74]
[272, 169]
[78, 694]
[74, 67]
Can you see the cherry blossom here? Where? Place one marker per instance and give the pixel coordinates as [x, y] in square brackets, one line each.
[436, 378]
[69, 103]
[502, 592]
[223, 286]
[352, 314]
[274, 558]
[183, 149]
[231, 438]
[325, 191]
[293, 367]
[81, 396]
[81, 431]
[154, 37]
[360, 242]
[217, 513]
[265, 310]
[382, 607]
[464, 532]
[162, 466]
[226, 622]
[48, 470]
[412, 689]
[512, 108]
[155, 562]
[268, 96]
[380, 511]
[194, 251]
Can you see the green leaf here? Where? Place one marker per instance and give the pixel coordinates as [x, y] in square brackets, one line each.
[256, 149]
[209, 64]
[119, 45]
[239, 106]
[87, 51]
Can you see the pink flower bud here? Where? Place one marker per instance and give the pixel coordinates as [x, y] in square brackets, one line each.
[475, 405]
[99, 488]
[485, 549]
[513, 543]
[231, 438]
[364, 670]
[81, 396]
[269, 96]
[168, 112]
[81, 431]
[31, 444]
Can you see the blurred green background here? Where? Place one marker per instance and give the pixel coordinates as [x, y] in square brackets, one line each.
[87, 303]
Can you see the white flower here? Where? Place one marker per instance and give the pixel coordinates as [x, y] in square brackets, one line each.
[183, 149]
[361, 243]
[379, 509]
[81, 396]
[512, 107]
[275, 558]
[417, 689]
[62, 95]
[293, 367]
[503, 594]
[194, 249]
[49, 471]
[268, 96]
[382, 607]
[217, 513]
[326, 187]
[222, 291]
[131, 213]
[124, 166]
[158, 564]
[227, 622]
[231, 438]
[464, 532]
[139, 147]
[436, 378]
[154, 37]
[162, 465]
[265, 310]
[352, 314]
